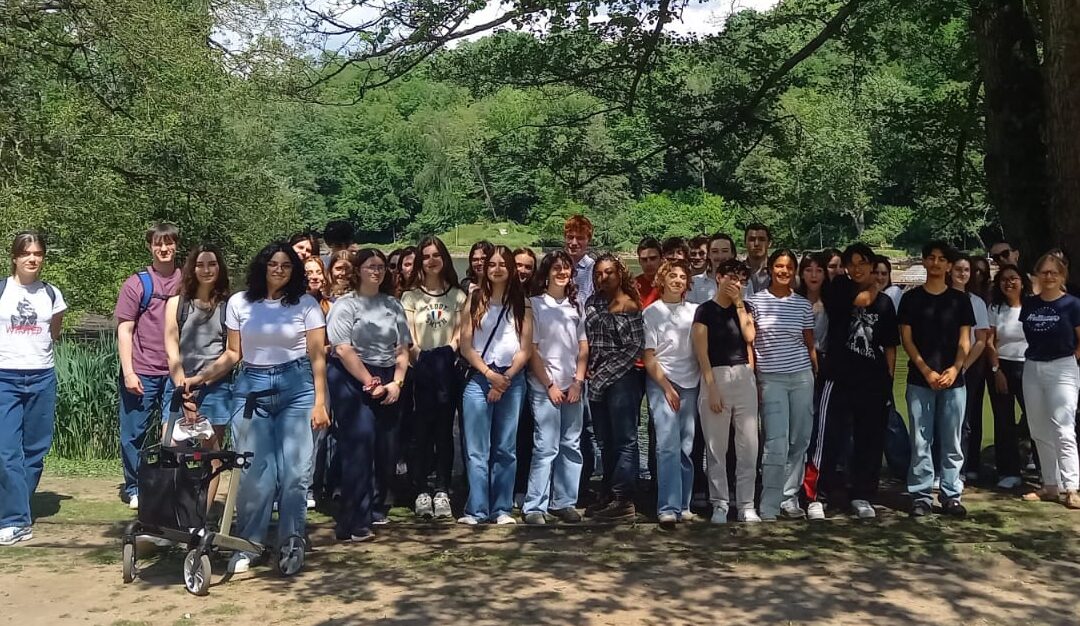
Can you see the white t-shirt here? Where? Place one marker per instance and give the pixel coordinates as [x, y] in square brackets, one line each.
[272, 334]
[895, 293]
[1011, 342]
[25, 315]
[982, 318]
[506, 342]
[667, 331]
[702, 288]
[558, 329]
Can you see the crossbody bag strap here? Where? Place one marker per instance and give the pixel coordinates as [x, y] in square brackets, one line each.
[487, 345]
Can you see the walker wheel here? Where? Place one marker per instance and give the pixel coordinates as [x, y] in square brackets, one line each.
[290, 556]
[197, 572]
[128, 561]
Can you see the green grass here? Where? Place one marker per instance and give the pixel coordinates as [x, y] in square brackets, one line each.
[459, 239]
[900, 388]
[89, 468]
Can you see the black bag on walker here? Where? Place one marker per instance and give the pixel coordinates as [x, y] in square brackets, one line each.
[172, 488]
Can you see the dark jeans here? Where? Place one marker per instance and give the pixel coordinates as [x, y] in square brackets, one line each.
[367, 444]
[436, 400]
[1006, 430]
[971, 435]
[526, 426]
[848, 411]
[137, 413]
[615, 418]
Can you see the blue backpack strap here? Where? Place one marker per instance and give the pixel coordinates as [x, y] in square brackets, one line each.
[147, 291]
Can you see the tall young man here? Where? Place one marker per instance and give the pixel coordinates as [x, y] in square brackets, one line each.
[699, 255]
[339, 235]
[649, 257]
[675, 249]
[935, 322]
[862, 340]
[718, 248]
[757, 239]
[577, 235]
[140, 336]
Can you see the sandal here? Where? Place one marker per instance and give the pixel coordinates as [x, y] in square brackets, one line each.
[1071, 500]
[1042, 495]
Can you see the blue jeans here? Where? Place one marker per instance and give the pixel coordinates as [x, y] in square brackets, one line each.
[27, 413]
[214, 401]
[135, 413]
[674, 446]
[936, 418]
[367, 434]
[615, 418]
[787, 410]
[555, 472]
[491, 446]
[279, 435]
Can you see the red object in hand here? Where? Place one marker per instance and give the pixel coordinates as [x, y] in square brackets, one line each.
[375, 382]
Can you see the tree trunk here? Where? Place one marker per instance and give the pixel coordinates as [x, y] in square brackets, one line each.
[1016, 157]
[1061, 75]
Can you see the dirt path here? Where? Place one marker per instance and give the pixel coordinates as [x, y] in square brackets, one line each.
[1007, 564]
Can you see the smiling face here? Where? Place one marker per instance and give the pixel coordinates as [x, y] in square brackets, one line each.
[163, 249]
[782, 271]
[1011, 284]
[431, 260]
[372, 272]
[278, 271]
[699, 256]
[477, 260]
[340, 272]
[302, 249]
[576, 243]
[497, 270]
[206, 268]
[961, 274]
[526, 267]
[674, 283]
[860, 270]
[936, 264]
[606, 276]
[560, 274]
[881, 275]
[314, 274]
[649, 259]
[28, 262]
[1050, 277]
[724, 280]
[720, 250]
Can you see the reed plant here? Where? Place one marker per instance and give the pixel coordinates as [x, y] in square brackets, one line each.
[87, 412]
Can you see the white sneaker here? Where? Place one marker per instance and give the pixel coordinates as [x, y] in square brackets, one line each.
[468, 520]
[133, 503]
[790, 509]
[11, 535]
[505, 519]
[440, 506]
[749, 516]
[937, 484]
[310, 500]
[422, 506]
[815, 511]
[863, 509]
[719, 514]
[667, 517]
[688, 516]
[1010, 482]
[239, 563]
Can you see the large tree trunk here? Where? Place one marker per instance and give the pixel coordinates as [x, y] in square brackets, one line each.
[1061, 75]
[1015, 162]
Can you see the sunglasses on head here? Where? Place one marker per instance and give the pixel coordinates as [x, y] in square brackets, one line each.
[1002, 253]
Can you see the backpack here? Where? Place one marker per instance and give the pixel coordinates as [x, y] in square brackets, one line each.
[49, 289]
[183, 310]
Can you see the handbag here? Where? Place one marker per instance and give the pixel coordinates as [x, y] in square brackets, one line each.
[464, 370]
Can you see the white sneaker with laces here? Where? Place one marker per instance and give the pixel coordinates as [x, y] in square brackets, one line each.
[505, 519]
[239, 563]
[133, 503]
[863, 509]
[468, 520]
[815, 511]
[1010, 482]
[790, 509]
[688, 516]
[11, 535]
[667, 517]
[719, 513]
[440, 506]
[749, 516]
[422, 506]
[310, 500]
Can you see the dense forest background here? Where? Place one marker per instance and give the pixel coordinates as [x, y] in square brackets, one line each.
[888, 121]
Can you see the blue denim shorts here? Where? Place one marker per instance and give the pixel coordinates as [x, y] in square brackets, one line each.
[214, 401]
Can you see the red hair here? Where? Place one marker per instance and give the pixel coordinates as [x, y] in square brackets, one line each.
[578, 224]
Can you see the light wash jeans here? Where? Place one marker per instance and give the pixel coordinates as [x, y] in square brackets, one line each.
[674, 446]
[491, 446]
[1050, 389]
[787, 410]
[555, 472]
[738, 390]
[936, 418]
[279, 435]
[27, 415]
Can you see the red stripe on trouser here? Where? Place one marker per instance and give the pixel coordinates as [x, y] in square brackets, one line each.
[814, 459]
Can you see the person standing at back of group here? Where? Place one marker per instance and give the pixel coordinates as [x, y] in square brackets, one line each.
[719, 248]
[140, 337]
[757, 239]
[478, 257]
[935, 326]
[525, 270]
[974, 368]
[433, 305]
[339, 235]
[1005, 351]
[649, 258]
[31, 318]
[577, 237]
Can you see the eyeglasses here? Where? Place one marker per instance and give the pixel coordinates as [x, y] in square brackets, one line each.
[1001, 253]
[375, 269]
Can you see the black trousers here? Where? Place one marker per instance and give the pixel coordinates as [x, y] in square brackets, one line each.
[1006, 430]
[436, 397]
[972, 433]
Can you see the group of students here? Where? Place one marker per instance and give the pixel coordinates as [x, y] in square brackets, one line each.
[548, 361]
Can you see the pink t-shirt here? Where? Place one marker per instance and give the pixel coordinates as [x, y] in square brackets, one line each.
[148, 352]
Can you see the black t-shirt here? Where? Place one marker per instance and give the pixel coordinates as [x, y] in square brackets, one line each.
[726, 344]
[857, 336]
[935, 323]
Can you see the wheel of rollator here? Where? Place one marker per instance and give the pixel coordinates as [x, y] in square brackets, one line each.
[289, 559]
[197, 572]
[128, 562]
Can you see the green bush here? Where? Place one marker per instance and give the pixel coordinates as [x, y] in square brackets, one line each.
[87, 403]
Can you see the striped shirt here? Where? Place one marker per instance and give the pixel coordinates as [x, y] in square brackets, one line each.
[779, 346]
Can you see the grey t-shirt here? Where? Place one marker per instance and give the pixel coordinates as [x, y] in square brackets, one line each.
[201, 341]
[374, 325]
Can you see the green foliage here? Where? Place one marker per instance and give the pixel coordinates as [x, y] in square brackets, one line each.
[87, 410]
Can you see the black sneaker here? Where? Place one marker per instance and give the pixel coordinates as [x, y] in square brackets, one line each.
[535, 519]
[569, 515]
[953, 508]
[617, 511]
[597, 505]
[921, 508]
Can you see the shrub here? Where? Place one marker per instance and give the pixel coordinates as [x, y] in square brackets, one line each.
[87, 405]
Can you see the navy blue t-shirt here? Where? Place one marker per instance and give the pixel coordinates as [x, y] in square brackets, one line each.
[1050, 327]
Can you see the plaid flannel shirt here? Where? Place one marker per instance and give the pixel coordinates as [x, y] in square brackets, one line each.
[616, 341]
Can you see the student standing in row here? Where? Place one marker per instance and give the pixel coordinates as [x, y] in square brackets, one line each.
[1005, 350]
[140, 331]
[649, 258]
[757, 238]
[32, 314]
[557, 368]
[496, 340]
[577, 237]
[974, 370]
[935, 327]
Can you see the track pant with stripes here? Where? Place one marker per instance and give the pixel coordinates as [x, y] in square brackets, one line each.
[848, 409]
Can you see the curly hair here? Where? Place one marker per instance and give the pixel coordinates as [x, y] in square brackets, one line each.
[257, 288]
[513, 295]
[189, 285]
[332, 288]
[541, 278]
[665, 268]
[626, 282]
[997, 295]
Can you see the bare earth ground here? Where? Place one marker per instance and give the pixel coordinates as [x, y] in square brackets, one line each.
[1008, 563]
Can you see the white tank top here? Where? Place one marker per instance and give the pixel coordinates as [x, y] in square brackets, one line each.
[506, 342]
